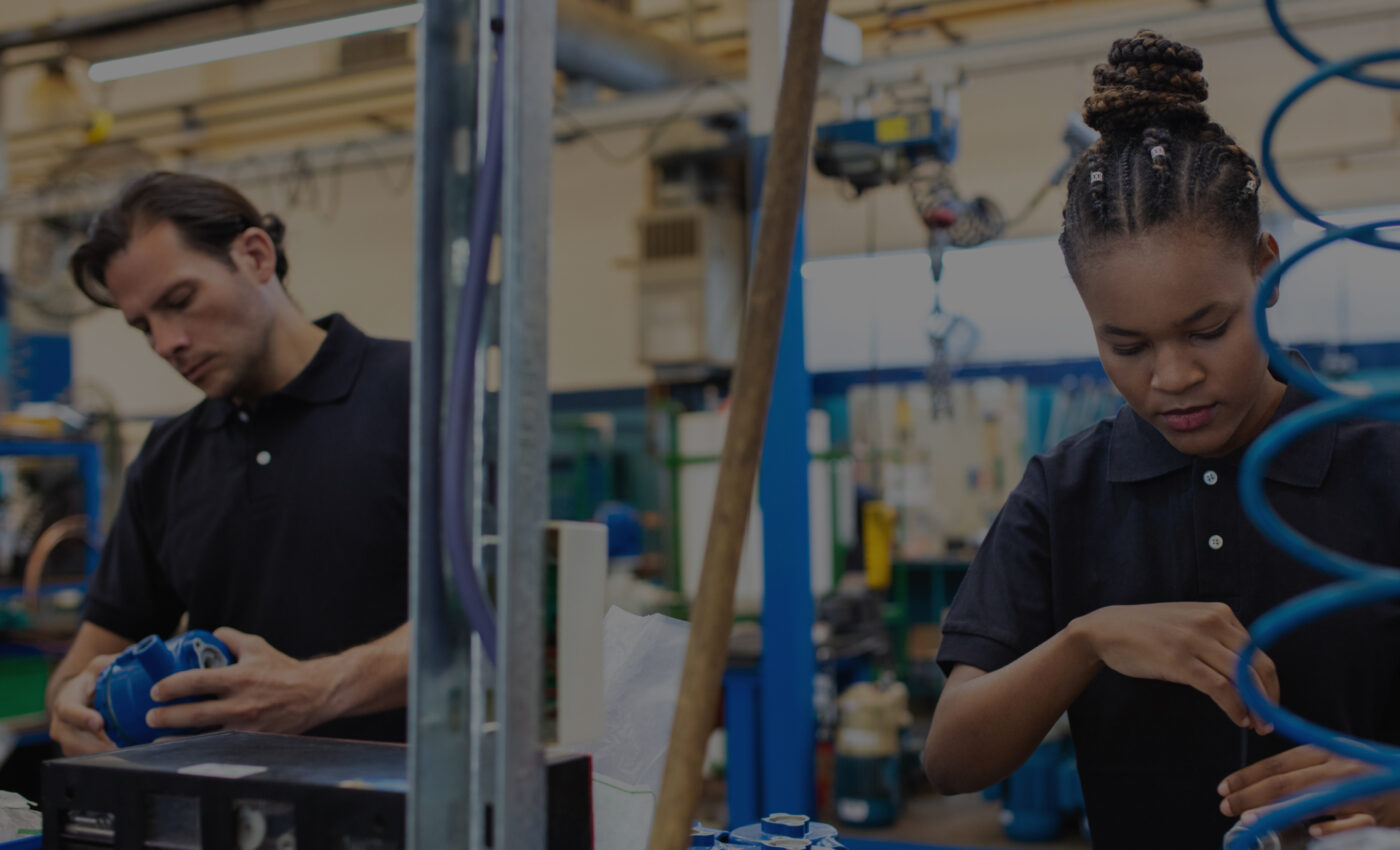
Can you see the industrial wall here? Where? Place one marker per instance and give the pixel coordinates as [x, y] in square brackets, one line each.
[357, 256]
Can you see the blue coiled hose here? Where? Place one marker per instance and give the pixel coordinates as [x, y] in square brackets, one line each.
[1362, 582]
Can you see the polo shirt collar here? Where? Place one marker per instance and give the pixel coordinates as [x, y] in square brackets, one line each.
[329, 376]
[1138, 452]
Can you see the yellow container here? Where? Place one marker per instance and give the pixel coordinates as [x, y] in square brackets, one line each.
[878, 524]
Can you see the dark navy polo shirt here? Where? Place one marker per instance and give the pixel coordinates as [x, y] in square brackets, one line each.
[289, 521]
[1115, 516]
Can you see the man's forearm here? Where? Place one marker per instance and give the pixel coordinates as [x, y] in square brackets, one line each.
[71, 665]
[57, 680]
[368, 678]
[90, 642]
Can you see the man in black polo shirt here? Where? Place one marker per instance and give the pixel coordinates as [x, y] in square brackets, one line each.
[275, 512]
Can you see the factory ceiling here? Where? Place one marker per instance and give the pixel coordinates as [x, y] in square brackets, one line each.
[363, 89]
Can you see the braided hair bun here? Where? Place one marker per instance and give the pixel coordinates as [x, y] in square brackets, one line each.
[1159, 158]
[1148, 81]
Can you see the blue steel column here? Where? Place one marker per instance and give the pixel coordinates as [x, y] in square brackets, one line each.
[90, 470]
[788, 664]
[741, 728]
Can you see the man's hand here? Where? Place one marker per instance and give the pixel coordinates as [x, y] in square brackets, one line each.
[73, 723]
[1295, 771]
[1190, 643]
[265, 691]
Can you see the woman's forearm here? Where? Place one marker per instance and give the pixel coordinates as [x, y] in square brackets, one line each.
[988, 724]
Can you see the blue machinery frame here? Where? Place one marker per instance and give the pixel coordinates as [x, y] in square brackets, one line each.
[786, 667]
[89, 470]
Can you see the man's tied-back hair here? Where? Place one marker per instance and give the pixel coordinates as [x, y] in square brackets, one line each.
[208, 214]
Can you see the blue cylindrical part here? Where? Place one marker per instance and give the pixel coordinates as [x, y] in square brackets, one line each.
[1032, 796]
[779, 830]
[787, 826]
[123, 693]
[154, 657]
[625, 531]
[702, 837]
[867, 790]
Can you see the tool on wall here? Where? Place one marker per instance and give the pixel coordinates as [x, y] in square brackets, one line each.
[916, 149]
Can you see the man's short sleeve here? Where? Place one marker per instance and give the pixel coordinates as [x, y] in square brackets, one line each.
[1002, 610]
[128, 594]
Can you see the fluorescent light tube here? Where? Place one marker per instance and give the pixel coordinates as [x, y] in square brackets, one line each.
[260, 42]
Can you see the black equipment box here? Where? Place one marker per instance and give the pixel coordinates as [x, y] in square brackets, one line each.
[246, 791]
[235, 790]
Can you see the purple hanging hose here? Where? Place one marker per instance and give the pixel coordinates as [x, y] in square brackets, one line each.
[461, 393]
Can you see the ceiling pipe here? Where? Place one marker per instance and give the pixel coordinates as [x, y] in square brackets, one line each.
[107, 23]
[614, 49]
[594, 42]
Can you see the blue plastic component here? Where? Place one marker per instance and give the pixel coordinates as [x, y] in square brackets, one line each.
[1362, 582]
[702, 837]
[123, 693]
[791, 831]
[1033, 805]
[624, 529]
[868, 790]
[1043, 797]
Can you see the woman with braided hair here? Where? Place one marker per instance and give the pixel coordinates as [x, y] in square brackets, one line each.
[1119, 578]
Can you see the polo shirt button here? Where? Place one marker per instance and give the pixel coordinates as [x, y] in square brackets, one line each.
[1215, 541]
[242, 416]
[1211, 477]
[264, 458]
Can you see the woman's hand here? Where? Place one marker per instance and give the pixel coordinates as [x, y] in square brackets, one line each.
[1295, 771]
[1190, 643]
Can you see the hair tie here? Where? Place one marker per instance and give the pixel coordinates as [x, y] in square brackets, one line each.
[1250, 185]
[1095, 177]
[1157, 152]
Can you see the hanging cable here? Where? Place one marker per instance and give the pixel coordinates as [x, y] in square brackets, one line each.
[649, 142]
[461, 393]
[1362, 582]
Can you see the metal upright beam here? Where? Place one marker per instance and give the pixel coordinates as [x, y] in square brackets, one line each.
[440, 813]
[524, 434]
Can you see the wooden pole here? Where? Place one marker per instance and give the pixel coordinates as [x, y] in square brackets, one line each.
[712, 614]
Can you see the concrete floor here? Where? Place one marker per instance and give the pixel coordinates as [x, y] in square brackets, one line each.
[963, 821]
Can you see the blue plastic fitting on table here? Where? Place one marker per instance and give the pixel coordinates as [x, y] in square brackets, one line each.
[780, 830]
[123, 694]
[703, 837]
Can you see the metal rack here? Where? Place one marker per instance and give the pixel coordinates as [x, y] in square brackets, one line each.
[476, 763]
